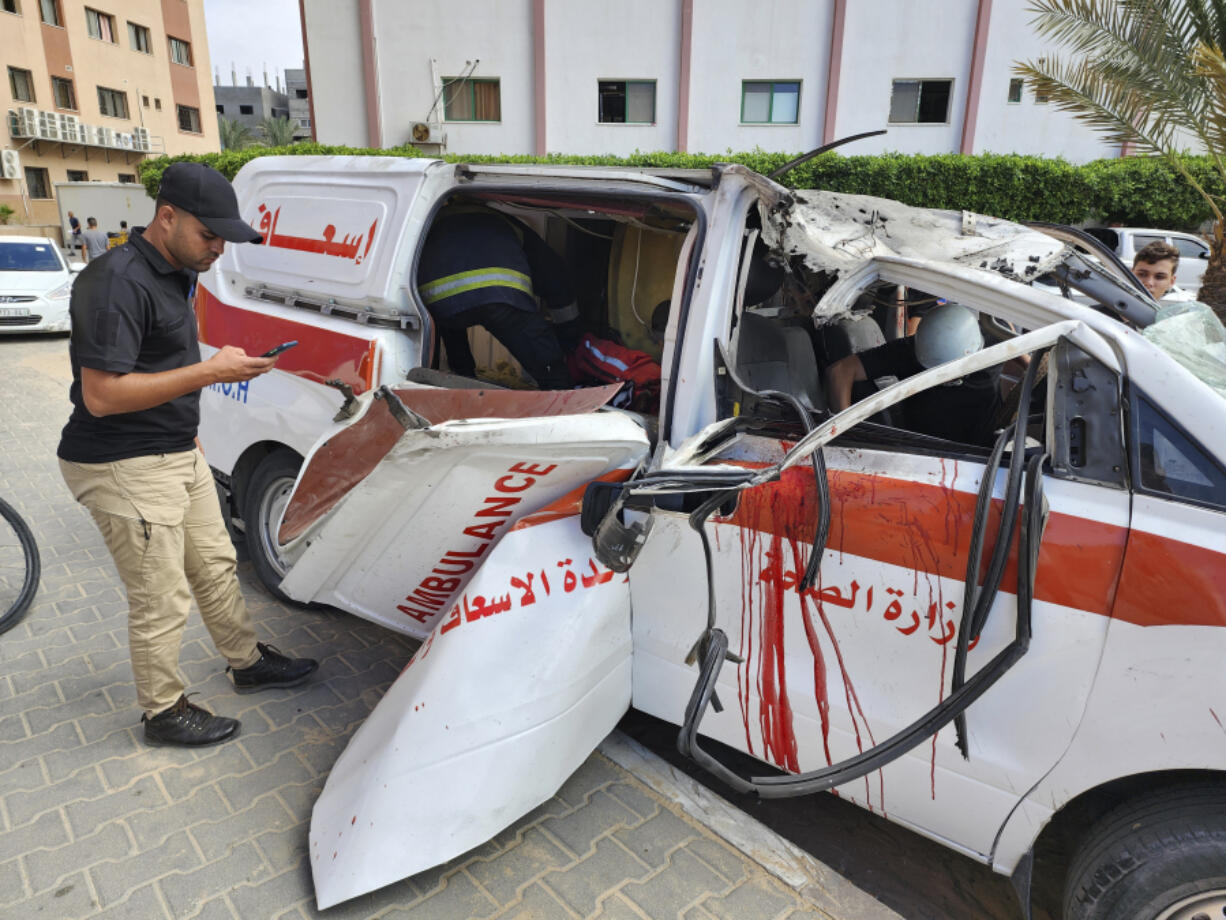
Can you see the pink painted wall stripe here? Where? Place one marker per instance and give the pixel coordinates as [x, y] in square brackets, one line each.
[837, 23]
[683, 89]
[975, 84]
[374, 127]
[539, 136]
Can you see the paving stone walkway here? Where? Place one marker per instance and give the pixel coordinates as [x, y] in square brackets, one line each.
[95, 824]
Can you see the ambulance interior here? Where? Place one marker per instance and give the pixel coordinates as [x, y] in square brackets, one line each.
[624, 257]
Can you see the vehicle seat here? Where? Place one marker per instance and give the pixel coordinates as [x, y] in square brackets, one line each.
[849, 336]
[773, 356]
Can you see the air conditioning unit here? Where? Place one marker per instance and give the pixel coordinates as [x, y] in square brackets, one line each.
[10, 164]
[140, 139]
[48, 126]
[423, 133]
[88, 134]
[28, 117]
[106, 137]
[70, 127]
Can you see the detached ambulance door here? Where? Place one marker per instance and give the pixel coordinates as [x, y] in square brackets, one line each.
[853, 664]
[466, 533]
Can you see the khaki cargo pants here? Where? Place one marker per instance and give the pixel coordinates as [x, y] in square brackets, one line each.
[161, 520]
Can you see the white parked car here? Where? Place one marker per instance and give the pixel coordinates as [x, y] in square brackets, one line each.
[35, 285]
[1125, 242]
[1015, 649]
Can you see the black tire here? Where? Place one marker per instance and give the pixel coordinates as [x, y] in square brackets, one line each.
[1159, 856]
[264, 502]
[20, 566]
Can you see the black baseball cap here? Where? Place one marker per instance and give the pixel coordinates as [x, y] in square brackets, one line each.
[207, 195]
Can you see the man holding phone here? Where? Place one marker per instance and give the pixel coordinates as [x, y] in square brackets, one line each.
[130, 454]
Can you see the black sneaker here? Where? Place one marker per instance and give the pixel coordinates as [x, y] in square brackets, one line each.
[272, 670]
[186, 723]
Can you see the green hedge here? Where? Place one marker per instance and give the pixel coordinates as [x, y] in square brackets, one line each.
[1135, 191]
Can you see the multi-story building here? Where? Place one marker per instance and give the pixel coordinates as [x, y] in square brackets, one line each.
[249, 105]
[299, 101]
[590, 77]
[94, 86]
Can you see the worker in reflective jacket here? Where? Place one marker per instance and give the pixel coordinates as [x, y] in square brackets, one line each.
[482, 268]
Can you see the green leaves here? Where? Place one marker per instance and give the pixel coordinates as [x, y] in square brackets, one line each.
[1136, 191]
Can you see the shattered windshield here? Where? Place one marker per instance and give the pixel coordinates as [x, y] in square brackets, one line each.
[1191, 334]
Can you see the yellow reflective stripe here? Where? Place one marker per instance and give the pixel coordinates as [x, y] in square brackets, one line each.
[459, 283]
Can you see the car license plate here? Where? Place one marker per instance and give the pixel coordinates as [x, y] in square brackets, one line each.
[14, 311]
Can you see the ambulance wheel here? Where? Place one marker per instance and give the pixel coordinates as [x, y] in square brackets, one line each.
[264, 503]
[1158, 857]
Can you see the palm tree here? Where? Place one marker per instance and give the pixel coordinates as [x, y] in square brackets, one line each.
[234, 134]
[278, 132]
[1148, 73]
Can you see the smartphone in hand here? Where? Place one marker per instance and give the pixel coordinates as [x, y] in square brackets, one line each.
[273, 352]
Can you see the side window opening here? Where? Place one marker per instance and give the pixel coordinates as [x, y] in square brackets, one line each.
[592, 279]
[1168, 462]
[776, 346]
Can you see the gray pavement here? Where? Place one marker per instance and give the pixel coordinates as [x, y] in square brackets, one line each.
[95, 824]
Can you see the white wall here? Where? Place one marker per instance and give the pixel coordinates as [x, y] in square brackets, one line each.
[768, 40]
[1027, 126]
[334, 45]
[496, 33]
[887, 40]
[732, 41]
[588, 42]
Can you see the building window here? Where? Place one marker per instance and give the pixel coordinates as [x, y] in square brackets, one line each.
[78, 175]
[37, 182]
[157, 103]
[305, 122]
[471, 100]
[50, 10]
[9, 6]
[21, 83]
[180, 52]
[246, 110]
[189, 119]
[65, 95]
[1041, 98]
[770, 103]
[100, 25]
[300, 93]
[920, 101]
[1015, 89]
[112, 102]
[127, 178]
[138, 39]
[626, 102]
[145, 101]
[221, 109]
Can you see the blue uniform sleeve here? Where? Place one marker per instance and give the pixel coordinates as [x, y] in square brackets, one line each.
[550, 274]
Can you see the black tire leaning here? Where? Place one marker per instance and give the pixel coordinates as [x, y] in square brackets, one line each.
[270, 483]
[33, 567]
[1150, 854]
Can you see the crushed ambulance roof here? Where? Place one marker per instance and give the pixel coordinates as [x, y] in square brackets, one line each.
[833, 232]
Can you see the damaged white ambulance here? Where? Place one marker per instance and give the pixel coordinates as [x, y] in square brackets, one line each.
[1016, 648]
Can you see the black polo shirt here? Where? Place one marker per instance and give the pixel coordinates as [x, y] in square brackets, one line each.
[964, 411]
[131, 314]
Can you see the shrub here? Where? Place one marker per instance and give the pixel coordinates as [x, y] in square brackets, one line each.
[1136, 191]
